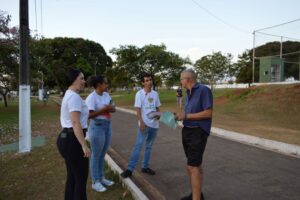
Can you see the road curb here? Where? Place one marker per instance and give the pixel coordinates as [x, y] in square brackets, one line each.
[280, 147]
[135, 191]
[271, 145]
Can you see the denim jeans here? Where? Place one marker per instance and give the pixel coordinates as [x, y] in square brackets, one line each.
[149, 135]
[100, 137]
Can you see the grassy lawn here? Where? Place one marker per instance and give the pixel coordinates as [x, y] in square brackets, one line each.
[41, 174]
[270, 112]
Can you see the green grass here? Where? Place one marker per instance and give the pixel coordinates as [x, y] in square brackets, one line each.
[41, 174]
[270, 112]
[126, 99]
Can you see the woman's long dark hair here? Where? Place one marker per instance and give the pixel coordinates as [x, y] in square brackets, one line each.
[93, 81]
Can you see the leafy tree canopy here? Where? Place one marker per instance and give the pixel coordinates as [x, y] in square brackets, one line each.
[132, 61]
[54, 57]
[9, 56]
[214, 67]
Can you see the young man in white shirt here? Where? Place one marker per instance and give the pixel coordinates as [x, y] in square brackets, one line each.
[146, 102]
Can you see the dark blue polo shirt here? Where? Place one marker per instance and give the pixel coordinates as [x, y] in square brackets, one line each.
[197, 100]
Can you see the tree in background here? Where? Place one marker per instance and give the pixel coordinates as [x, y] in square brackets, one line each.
[244, 68]
[154, 59]
[213, 68]
[9, 56]
[53, 57]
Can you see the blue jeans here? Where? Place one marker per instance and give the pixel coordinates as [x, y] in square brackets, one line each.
[100, 137]
[149, 135]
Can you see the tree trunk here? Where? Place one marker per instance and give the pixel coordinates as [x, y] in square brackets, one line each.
[4, 99]
[154, 85]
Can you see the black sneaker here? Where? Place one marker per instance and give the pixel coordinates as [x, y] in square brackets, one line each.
[148, 171]
[190, 197]
[126, 174]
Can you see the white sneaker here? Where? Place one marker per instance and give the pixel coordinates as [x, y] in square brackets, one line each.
[107, 182]
[98, 187]
[87, 138]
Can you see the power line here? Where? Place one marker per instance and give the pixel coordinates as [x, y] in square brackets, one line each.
[284, 54]
[277, 35]
[41, 17]
[297, 63]
[278, 25]
[35, 16]
[219, 19]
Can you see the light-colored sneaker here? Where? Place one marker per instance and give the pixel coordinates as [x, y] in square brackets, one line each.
[107, 182]
[87, 138]
[98, 187]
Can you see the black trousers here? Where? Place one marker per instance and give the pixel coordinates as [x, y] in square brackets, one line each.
[77, 165]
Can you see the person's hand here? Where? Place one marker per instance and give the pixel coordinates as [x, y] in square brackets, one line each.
[157, 117]
[109, 108]
[142, 126]
[86, 151]
[179, 116]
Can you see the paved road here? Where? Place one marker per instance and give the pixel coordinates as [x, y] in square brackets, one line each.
[232, 171]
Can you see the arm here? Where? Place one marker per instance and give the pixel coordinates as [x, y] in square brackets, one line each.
[75, 118]
[140, 119]
[157, 110]
[106, 109]
[206, 114]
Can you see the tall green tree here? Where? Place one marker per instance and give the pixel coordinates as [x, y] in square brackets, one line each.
[9, 56]
[244, 68]
[213, 68]
[54, 57]
[153, 59]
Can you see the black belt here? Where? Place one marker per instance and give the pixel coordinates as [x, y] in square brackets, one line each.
[71, 130]
[192, 127]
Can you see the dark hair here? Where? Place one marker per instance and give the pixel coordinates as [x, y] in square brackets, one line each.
[93, 81]
[72, 76]
[145, 74]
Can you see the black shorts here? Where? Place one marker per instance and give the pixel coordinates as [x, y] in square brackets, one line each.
[194, 142]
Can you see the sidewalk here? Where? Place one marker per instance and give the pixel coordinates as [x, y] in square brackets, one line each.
[231, 170]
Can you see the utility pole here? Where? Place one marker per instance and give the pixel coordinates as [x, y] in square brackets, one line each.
[253, 57]
[24, 87]
[281, 38]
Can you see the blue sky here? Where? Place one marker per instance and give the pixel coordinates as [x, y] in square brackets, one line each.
[192, 28]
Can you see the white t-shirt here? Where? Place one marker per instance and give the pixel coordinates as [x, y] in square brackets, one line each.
[96, 102]
[148, 103]
[70, 103]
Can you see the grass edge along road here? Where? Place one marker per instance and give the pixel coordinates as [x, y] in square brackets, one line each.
[41, 174]
[270, 112]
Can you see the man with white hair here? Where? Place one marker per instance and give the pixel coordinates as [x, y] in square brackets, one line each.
[197, 119]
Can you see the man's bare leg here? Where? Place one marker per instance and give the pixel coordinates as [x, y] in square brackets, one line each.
[195, 174]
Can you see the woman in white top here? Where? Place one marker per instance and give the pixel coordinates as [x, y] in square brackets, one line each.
[71, 143]
[100, 106]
